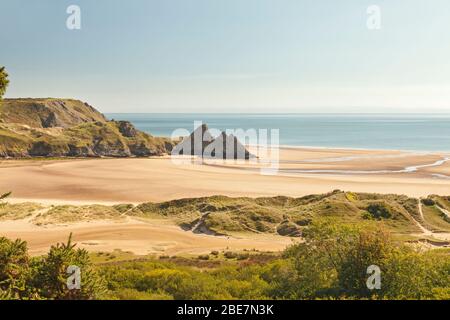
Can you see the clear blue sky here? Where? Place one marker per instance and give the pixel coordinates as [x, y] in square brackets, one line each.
[231, 55]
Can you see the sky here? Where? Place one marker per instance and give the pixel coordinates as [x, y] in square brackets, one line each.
[240, 56]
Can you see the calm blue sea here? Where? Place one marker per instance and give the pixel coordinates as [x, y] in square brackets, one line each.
[420, 132]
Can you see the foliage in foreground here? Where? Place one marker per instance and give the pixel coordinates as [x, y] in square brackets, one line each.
[22, 277]
[330, 264]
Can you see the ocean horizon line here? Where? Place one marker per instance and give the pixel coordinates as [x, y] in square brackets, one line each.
[285, 113]
[411, 132]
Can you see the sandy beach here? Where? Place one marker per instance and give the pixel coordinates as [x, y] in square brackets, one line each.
[141, 238]
[302, 171]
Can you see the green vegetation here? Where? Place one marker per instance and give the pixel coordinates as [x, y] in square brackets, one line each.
[3, 81]
[283, 215]
[441, 201]
[434, 213]
[331, 263]
[378, 211]
[24, 278]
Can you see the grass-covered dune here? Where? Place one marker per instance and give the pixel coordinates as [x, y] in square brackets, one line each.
[436, 213]
[69, 128]
[283, 216]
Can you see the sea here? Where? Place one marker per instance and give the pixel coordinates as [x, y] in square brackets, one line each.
[410, 132]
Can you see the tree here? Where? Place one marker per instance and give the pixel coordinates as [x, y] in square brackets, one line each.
[3, 81]
[51, 274]
[22, 277]
[318, 261]
[371, 247]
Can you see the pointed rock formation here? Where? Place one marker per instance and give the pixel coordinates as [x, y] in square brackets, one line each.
[202, 144]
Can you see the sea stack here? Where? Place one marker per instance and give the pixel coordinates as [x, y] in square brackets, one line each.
[201, 143]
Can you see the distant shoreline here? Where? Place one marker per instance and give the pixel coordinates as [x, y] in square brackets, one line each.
[407, 133]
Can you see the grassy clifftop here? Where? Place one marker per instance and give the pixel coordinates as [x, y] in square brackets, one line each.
[48, 113]
[62, 127]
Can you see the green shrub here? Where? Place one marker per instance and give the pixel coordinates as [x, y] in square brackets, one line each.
[378, 211]
[14, 269]
[230, 255]
[428, 202]
[50, 274]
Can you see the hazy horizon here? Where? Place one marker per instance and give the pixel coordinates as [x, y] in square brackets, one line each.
[257, 56]
[296, 113]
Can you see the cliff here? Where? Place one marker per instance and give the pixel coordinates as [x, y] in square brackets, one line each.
[48, 113]
[70, 128]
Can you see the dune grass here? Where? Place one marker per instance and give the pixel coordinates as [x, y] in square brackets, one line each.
[18, 211]
[436, 218]
[72, 214]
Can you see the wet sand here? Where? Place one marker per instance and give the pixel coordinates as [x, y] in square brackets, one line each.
[302, 171]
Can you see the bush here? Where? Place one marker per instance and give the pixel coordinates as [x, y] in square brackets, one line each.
[50, 274]
[428, 202]
[333, 262]
[230, 255]
[242, 256]
[14, 269]
[289, 229]
[22, 277]
[378, 211]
